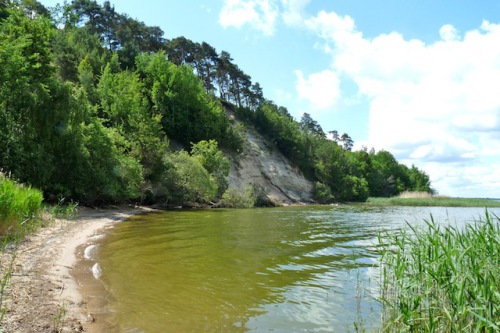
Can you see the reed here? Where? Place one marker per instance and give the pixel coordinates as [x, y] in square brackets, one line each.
[20, 207]
[415, 195]
[442, 279]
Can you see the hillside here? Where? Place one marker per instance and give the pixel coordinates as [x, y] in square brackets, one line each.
[268, 169]
[91, 100]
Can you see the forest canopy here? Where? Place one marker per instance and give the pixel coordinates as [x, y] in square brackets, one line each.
[92, 101]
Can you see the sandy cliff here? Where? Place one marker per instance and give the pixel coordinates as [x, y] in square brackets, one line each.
[264, 166]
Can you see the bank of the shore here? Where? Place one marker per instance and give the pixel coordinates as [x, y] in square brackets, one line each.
[50, 271]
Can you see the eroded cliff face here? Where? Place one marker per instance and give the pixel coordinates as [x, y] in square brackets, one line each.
[268, 169]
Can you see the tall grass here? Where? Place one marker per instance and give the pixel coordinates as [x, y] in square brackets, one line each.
[415, 195]
[442, 279]
[20, 212]
[20, 206]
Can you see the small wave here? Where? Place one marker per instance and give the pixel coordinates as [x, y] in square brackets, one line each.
[96, 271]
[89, 252]
[97, 237]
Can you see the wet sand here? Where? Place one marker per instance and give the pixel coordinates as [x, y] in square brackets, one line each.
[53, 287]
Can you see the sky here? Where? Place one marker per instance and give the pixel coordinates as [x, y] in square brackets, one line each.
[420, 79]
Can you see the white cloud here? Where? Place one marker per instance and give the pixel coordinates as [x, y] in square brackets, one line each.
[448, 33]
[260, 14]
[321, 90]
[331, 26]
[432, 104]
[293, 11]
[473, 180]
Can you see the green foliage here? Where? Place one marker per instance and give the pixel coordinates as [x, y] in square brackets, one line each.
[192, 181]
[239, 197]
[63, 210]
[349, 175]
[442, 279]
[87, 111]
[386, 178]
[212, 159]
[71, 46]
[177, 95]
[280, 128]
[354, 189]
[110, 175]
[19, 206]
[322, 193]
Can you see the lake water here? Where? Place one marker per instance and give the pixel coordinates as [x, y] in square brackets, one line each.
[291, 269]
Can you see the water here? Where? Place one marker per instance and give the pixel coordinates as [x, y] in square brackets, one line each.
[293, 269]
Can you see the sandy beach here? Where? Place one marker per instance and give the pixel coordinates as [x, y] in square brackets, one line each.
[52, 281]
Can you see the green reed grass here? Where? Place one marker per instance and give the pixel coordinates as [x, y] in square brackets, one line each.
[434, 202]
[442, 279]
[20, 213]
[20, 206]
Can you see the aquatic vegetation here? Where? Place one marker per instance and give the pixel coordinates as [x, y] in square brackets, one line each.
[442, 278]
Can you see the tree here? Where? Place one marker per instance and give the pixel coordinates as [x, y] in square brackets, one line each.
[311, 126]
[386, 178]
[419, 180]
[330, 167]
[224, 67]
[347, 142]
[354, 189]
[26, 77]
[89, 12]
[335, 137]
[4, 13]
[71, 45]
[176, 94]
[206, 60]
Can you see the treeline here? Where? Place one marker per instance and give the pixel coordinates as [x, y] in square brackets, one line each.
[91, 100]
[129, 38]
[78, 124]
[340, 174]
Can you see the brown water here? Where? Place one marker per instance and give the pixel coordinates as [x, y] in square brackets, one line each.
[294, 269]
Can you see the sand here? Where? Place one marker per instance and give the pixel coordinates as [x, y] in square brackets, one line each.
[53, 287]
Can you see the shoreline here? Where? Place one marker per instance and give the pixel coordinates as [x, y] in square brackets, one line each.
[51, 275]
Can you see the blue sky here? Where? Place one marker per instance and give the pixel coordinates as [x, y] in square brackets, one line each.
[417, 78]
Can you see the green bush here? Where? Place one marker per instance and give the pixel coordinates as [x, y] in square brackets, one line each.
[239, 198]
[355, 189]
[322, 193]
[190, 181]
[212, 159]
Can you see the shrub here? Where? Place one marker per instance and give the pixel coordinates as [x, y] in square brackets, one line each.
[191, 181]
[236, 198]
[322, 193]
